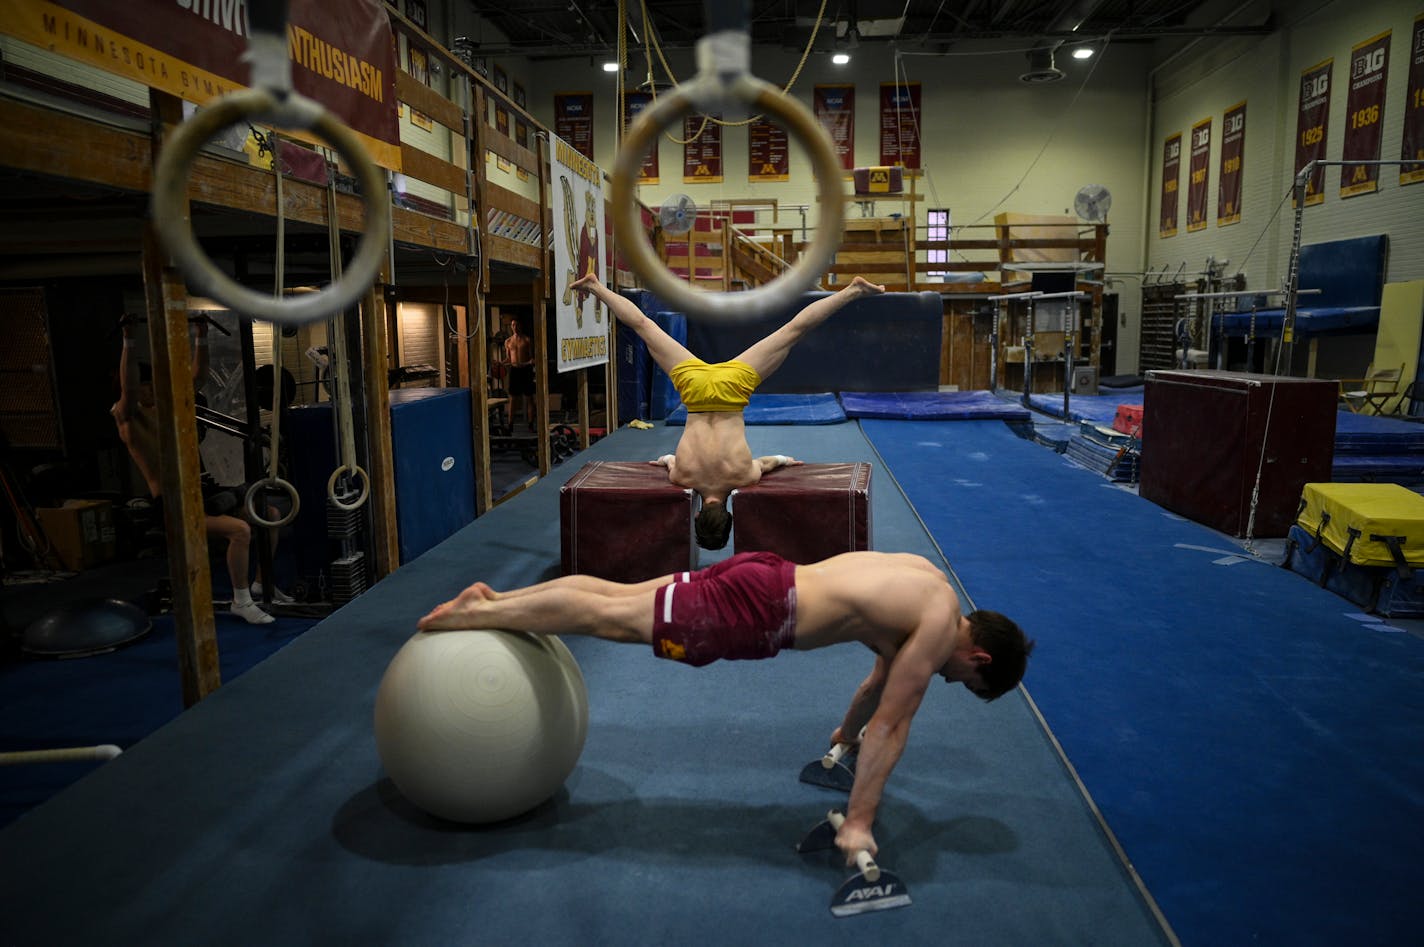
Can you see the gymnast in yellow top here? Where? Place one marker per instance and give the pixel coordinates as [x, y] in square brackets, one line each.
[713, 457]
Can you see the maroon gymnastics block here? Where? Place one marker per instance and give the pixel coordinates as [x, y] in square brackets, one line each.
[623, 521]
[805, 513]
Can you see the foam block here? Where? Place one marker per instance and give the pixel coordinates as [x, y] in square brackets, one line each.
[623, 521]
[805, 513]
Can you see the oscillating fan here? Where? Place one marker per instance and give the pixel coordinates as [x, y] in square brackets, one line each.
[1092, 202]
[677, 214]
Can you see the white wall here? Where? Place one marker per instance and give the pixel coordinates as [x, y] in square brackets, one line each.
[1265, 72]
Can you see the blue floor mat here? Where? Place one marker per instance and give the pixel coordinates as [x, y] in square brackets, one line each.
[1370, 434]
[1099, 409]
[1251, 740]
[820, 408]
[931, 406]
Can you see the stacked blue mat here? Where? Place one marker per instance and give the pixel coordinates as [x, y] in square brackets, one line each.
[931, 406]
[1371, 449]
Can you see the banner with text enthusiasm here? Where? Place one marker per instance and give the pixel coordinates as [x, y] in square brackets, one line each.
[343, 57]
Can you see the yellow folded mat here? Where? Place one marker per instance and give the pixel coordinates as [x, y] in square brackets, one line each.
[1371, 524]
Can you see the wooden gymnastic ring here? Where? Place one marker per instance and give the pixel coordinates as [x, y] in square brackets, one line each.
[355, 471]
[272, 483]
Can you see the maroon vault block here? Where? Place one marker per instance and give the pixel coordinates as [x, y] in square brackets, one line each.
[805, 513]
[623, 521]
[1205, 434]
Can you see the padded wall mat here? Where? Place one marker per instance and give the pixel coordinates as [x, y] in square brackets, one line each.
[820, 408]
[931, 406]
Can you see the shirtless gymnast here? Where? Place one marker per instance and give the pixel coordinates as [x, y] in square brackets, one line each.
[713, 457]
[755, 604]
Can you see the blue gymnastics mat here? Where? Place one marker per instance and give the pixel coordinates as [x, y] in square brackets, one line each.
[1251, 739]
[1099, 409]
[782, 409]
[931, 406]
[1370, 434]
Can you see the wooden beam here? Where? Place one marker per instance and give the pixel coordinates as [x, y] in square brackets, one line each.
[179, 469]
[426, 100]
[423, 166]
[375, 366]
[477, 335]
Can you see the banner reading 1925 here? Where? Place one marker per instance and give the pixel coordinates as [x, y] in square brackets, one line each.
[1364, 115]
[1312, 122]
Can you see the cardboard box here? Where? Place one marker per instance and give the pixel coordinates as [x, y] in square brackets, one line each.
[81, 532]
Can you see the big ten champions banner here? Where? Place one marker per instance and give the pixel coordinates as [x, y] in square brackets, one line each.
[1412, 145]
[342, 54]
[1312, 124]
[1364, 115]
[578, 222]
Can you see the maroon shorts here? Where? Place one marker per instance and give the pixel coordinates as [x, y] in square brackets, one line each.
[742, 608]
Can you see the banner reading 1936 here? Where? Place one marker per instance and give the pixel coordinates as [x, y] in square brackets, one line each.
[1171, 171]
[1311, 124]
[1364, 115]
[1412, 148]
[1228, 179]
[1199, 159]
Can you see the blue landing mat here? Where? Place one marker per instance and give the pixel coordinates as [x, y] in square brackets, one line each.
[262, 816]
[1370, 434]
[1253, 746]
[1099, 409]
[931, 406]
[781, 409]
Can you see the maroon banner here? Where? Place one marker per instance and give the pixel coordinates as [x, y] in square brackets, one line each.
[633, 105]
[573, 120]
[835, 110]
[1171, 173]
[342, 55]
[1412, 147]
[1198, 161]
[1312, 123]
[1228, 178]
[1364, 115]
[768, 158]
[701, 150]
[900, 124]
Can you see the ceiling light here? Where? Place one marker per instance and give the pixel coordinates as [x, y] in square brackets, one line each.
[1083, 52]
[610, 67]
[840, 59]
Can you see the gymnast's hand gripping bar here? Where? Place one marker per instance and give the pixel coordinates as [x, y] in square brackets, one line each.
[270, 100]
[724, 84]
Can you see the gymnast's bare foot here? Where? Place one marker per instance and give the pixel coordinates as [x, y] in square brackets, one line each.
[461, 612]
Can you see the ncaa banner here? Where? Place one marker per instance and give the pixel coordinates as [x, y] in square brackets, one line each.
[1412, 146]
[1312, 122]
[1171, 172]
[701, 150]
[1228, 179]
[835, 110]
[343, 55]
[577, 199]
[1199, 159]
[768, 152]
[1364, 115]
[633, 105]
[573, 120]
[900, 124]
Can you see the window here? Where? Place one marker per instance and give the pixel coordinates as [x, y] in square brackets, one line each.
[938, 220]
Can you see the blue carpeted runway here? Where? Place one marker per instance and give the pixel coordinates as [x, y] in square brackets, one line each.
[1252, 743]
[262, 816]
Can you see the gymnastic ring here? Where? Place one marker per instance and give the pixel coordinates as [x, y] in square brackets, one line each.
[174, 224]
[356, 471]
[276, 483]
[706, 93]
